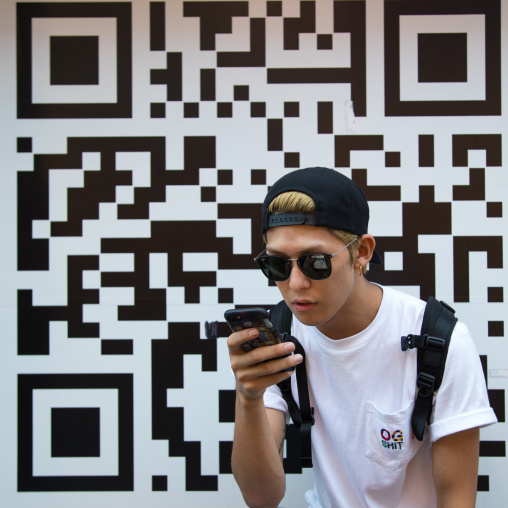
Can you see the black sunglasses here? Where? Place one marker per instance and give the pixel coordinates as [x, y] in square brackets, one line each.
[315, 265]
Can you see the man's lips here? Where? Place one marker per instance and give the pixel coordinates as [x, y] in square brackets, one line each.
[303, 305]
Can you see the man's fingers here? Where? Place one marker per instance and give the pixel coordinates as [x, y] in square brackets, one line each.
[236, 339]
[259, 354]
[254, 380]
[264, 353]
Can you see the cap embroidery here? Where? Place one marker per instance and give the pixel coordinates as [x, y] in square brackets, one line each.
[286, 219]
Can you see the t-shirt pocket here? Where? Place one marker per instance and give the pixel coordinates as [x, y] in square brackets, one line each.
[390, 440]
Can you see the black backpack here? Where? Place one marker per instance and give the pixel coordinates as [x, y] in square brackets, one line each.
[432, 343]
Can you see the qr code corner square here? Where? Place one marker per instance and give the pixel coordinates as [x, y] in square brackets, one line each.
[40, 466]
[98, 32]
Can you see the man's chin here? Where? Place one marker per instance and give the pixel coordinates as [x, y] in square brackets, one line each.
[307, 318]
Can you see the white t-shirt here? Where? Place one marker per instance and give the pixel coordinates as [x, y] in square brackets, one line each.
[363, 390]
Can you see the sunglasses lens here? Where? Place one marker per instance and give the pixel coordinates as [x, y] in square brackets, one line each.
[275, 267]
[317, 266]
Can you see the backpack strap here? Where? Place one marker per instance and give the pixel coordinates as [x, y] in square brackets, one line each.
[303, 415]
[432, 343]
[281, 317]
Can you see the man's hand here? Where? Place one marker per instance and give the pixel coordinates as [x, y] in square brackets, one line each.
[260, 368]
[259, 432]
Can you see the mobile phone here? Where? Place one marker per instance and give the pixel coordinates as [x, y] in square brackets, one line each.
[256, 317]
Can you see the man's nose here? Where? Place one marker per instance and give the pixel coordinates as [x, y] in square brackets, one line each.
[297, 279]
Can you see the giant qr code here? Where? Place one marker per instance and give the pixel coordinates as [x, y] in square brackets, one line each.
[145, 137]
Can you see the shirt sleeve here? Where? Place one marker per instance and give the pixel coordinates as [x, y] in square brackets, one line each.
[273, 399]
[462, 401]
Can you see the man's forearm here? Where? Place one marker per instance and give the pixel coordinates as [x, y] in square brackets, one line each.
[256, 461]
[455, 469]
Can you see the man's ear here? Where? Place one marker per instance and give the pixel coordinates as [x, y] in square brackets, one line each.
[365, 250]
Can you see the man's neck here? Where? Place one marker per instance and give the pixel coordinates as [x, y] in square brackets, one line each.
[358, 314]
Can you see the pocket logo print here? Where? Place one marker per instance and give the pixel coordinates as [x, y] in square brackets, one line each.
[392, 440]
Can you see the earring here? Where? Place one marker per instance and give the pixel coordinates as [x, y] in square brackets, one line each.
[360, 271]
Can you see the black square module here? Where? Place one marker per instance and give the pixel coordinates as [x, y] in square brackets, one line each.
[74, 60]
[324, 41]
[224, 110]
[191, 110]
[273, 8]
[241, 92]
[159, 483]
[158, 110]
[24, 145]
[75, 432]
[225, 177]
[442, 58]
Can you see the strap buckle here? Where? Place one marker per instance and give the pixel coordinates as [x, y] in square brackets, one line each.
[284, 336]
[407, 342]
[312, 420]
[435, 343]
[422, 342]
[425, 383]
[307, 421]
[305, 440]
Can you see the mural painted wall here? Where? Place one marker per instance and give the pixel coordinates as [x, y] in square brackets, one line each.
[138, 140]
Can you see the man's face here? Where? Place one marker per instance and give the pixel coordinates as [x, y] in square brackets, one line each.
[321, 303]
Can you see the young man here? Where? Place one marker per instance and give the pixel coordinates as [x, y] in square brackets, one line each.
[361, 384]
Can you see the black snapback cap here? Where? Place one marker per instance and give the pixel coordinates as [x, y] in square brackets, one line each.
[340, 203]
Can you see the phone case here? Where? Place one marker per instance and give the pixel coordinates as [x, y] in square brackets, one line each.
[242, 319]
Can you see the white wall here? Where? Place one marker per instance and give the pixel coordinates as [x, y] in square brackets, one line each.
[131, 211]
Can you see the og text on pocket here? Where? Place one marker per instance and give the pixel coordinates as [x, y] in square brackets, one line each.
[390, 439]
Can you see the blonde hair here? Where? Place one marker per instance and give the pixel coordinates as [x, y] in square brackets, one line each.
[298, 202]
